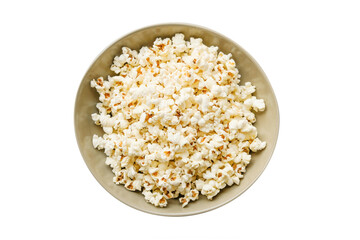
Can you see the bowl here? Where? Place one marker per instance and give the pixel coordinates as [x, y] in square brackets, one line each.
[267, 122]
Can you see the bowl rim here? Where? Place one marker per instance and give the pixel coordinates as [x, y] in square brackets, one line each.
[259, 173]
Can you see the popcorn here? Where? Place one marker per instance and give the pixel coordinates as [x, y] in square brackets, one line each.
[256, 104]
[257, 145]
[237, 124]
[176, 123]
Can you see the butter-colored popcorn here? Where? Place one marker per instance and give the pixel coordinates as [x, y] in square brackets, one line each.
[176, 122]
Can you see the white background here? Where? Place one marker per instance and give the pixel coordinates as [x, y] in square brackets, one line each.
[308, 49]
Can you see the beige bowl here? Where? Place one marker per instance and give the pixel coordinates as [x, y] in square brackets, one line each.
[267, 122]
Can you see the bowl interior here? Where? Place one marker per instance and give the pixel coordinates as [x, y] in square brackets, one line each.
[267, 121]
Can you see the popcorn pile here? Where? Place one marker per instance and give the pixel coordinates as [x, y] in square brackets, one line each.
[176, 121]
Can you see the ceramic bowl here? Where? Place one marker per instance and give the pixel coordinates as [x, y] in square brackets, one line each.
[267, 122]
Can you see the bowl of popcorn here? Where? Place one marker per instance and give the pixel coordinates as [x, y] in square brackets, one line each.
[176, 119]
